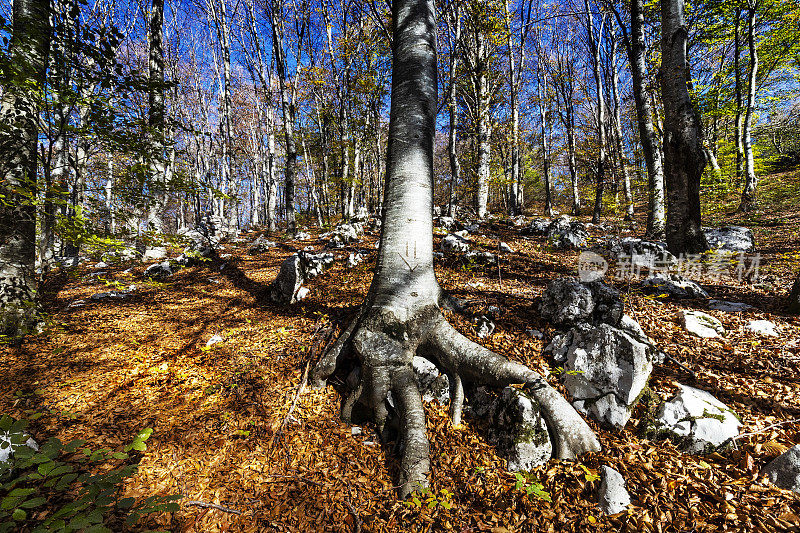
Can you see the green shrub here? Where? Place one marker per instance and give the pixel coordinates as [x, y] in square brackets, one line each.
[68, 487]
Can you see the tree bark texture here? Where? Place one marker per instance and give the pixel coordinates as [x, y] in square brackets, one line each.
[401, 316]
[684, 159]
[19, 116]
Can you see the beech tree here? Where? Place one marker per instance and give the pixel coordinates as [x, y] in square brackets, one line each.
[401, 314]
[684, 158]
[19, 118]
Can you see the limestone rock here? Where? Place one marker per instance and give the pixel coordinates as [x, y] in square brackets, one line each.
[644, 253]
[433, 385]
[14, 438]
[606, 370]
[484, 326]
[763, 327]
[260, 245]
[613, 497]
[673, 285]
[159, 271]
[284, 289]
[784, 470]
[730, 239]
[516, 427]
[454, 243]
[567, 301]
[154, 254]
[505, 248]
[701, 324]
[701, 421]
[315, 264]
[354, 259]
[728, 307]
[537, 227]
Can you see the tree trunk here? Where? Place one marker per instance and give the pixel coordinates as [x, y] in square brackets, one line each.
[626, 177]
[287, 107]
[600, 170]
[452, 106]
[483, 128]
[541, 90]
[684, 158]
[19, 117]
[155, 116]
[737, 78]
[401, 316]
[751, 180]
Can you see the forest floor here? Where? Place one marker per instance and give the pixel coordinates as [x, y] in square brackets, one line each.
[222, 434]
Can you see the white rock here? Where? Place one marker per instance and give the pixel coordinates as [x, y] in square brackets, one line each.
[432, 384]
[701, 324]
[784, 470]
[11, 441]
[763, 327]
[302, 292]
[606, 371]
[613, 497]
[214, 340]
[302, 236]
[484, 327]
[154, 254]
[728, 307]
[673, 285]
[454, 243]
[505, 248]
[705, 422]
[355, 430]
[730, 239]
[354, 259]
[100, 265]
[535, 333]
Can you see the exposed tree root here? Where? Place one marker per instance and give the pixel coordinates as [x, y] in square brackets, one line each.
[384, 345]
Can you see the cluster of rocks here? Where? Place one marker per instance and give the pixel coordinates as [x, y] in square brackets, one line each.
[562, 232]
[733, 239]
[287, 288]
[606, 357]
[673, 285]
[642, 253]
[456, 242]
[260, 245]
[343, 235]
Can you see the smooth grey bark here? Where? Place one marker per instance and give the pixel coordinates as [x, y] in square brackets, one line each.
[401, 316]
[684, 159]
[751, 180]
[452, 106]
[483, 127]
[541, 93]
[600, 169]
[156, 115]
[565, 91]
[516, 198]
[19, 115]
[737, 77]
[626, 177]
[651, 148]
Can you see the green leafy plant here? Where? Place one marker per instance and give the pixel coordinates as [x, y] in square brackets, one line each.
[425, 497]
[68, 487]
[527, 483]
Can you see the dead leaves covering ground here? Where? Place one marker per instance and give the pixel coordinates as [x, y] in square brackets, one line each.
[222, 435]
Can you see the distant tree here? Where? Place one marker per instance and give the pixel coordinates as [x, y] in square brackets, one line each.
[401, 315]
[684, 158]
[23, 74]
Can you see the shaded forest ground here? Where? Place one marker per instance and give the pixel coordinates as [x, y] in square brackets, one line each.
[104, 371]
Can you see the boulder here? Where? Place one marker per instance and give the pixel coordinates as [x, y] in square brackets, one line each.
[612, 496]
[433, 385]
[215, 339]
[505, 248]
[109, 295]
[343, 235]
[701, 422]
[444, 222]
[642, 253]
[154, 254]
[516, 426]
[123, 254]
[260, 245]
[673, 285]
[766, 328]
[354, 259]
[606, 370]
[701, 324]
[518, 220]
[481, 258]
[315, 264]
[284, 289]
[537, 227]
[301, 236]
[101, 265]
[567, 301]
[484, 326]
[362, 214]
[728, 307]
[784, 470]
[454, 243]
[570, 237]
[159, 271]
[730, 239]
